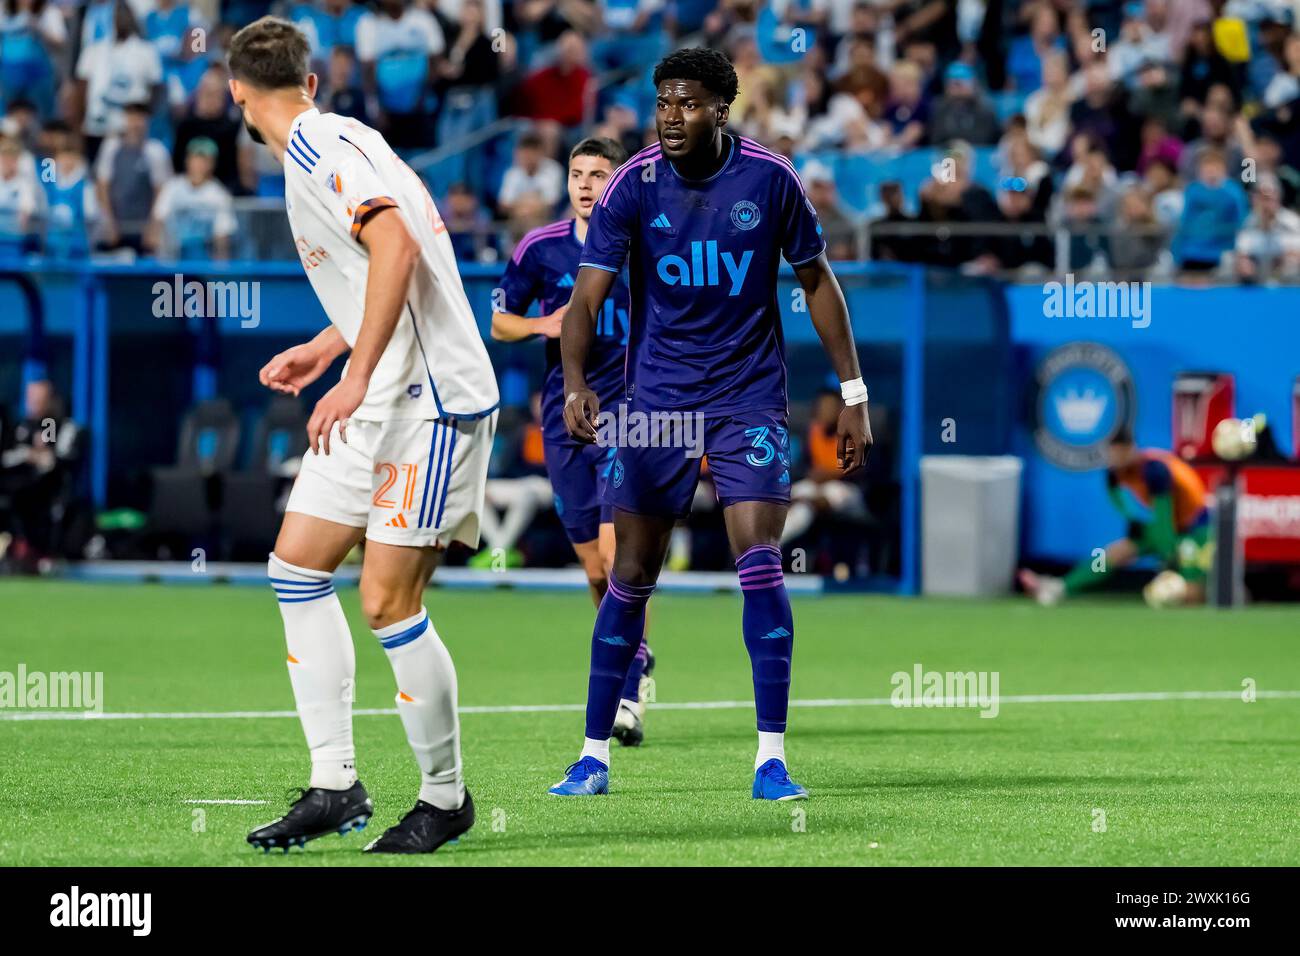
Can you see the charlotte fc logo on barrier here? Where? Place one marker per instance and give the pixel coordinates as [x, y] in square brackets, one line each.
[1085, 395]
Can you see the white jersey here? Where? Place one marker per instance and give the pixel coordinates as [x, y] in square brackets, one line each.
[336, 172]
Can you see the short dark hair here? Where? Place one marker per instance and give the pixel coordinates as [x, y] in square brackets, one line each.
[270, 54]
[710, 67]
[603, 147]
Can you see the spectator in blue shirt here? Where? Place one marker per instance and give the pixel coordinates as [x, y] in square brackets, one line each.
[1214, 208]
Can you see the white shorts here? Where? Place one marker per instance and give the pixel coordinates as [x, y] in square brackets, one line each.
[413, 482]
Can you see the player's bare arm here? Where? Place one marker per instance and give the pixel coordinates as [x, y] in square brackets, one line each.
[830, 317]
[581, 405]
[508, 327]
[393, 255]
[294, 369]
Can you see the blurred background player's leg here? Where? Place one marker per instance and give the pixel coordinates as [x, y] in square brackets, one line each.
[1089, 573]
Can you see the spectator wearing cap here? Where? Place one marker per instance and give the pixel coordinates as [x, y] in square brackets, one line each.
[1269, 242]
[123, 68]
[194, 215]
[129, 171]
[1028, 246]
[960, 114]
[837, 229]
[1021, 161]
[1213, 209]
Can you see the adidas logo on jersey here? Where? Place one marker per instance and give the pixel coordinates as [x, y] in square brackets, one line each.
[397, 522]
[779, 633]
[661, 222]
[565, 281]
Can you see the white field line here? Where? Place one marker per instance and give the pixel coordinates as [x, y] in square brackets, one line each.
[1112, 698]
[234, 803]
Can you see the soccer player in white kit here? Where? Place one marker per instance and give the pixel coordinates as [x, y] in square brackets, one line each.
[398, 448]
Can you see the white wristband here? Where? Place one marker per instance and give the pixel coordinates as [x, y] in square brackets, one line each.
[854, 392]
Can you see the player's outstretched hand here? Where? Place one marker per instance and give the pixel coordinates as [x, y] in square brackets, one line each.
[294, 369]
[580, 410]
[550, 325]
[854, 437]
[335, 407]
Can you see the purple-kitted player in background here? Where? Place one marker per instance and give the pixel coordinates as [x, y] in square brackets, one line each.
[703, 219]
[543, 270]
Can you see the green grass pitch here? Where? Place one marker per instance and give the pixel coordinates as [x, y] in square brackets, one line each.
[1175, 781]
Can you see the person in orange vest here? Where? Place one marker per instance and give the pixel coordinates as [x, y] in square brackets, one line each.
[1164, 502]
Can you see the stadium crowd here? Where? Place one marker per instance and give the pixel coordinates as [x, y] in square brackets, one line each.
[1163, 135]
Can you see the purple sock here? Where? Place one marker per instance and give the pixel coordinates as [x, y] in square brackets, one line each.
[620, 626]
[632, 686]
[768, 627]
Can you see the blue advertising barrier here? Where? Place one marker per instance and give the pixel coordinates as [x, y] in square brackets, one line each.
[964, 352]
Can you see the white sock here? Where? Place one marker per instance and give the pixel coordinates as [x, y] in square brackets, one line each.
[771, 746]
[322, 669]
[426, 702]
[595, 748]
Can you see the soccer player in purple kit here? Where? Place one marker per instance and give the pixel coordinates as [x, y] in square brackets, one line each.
[542, 270]
[703, 218]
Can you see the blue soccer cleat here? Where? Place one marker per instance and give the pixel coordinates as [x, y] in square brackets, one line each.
[772, 782]
[586, 778]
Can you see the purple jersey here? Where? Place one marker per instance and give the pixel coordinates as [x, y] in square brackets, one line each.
[542, 270]
[703, 257]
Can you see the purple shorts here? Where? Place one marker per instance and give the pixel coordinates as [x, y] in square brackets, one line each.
[578, 475]
[749, 460]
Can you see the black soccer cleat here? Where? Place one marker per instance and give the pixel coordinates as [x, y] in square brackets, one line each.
[628, 729]
[425, 828]
[316, 813]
